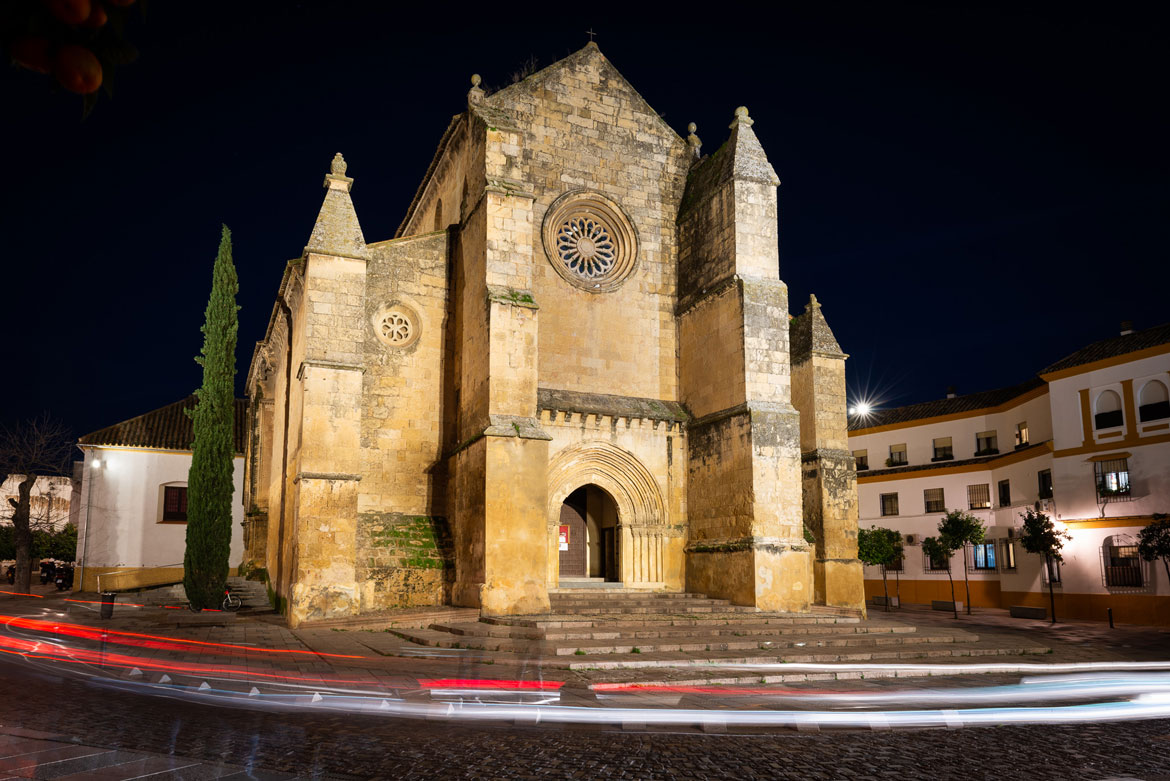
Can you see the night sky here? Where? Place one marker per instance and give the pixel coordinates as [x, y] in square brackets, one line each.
[971, 194]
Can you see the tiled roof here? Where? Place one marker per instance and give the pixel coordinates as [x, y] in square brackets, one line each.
[1110, 348]
[166, 428]
[929, 409]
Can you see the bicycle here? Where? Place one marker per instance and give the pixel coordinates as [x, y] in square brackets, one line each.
[231, 602]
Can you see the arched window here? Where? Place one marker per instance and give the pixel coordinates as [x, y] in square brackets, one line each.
[1154, 401]
[439, 215]
[1108, 410]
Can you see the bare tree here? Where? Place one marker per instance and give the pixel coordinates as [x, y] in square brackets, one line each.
[38, 447]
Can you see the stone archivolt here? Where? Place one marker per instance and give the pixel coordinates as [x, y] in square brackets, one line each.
[620, 473]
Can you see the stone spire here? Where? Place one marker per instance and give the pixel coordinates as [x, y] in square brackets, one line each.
[337, 230]
[811, 334]
[750, 161]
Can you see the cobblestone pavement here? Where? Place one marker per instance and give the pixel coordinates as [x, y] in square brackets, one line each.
[91, 717]
[357, 746]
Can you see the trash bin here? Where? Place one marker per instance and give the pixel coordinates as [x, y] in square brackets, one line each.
[108, 604]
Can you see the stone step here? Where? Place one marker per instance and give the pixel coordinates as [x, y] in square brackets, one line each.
[584, 606]
[698, 652]
[630, 602]
[640, 631]
[673, 606]
[690, 644]
[559, 621]
[785, 656]
[613, 594]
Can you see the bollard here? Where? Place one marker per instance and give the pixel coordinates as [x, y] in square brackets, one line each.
[108, 604]
[1109, 611]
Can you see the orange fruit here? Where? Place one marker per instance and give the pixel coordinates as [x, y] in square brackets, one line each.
[77, 69]
[32, 53]
[70, 11]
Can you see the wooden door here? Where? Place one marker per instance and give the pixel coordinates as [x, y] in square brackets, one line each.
[573, 559]
[609, 567]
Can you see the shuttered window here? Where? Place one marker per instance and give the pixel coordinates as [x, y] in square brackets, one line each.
[175, 503]
[889, 504]
[986, 443]
[897, 455]
[979, 496]
[942, 449]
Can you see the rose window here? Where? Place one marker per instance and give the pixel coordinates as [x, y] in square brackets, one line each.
[585, 247]
[589, 241]
[396, 329]
[396, 326]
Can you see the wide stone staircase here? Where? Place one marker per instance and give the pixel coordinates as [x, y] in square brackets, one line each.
[253, 594]
[591, 628]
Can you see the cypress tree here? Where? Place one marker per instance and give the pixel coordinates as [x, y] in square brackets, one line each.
[209, 483]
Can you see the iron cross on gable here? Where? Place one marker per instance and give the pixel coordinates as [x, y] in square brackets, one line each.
[590, 33]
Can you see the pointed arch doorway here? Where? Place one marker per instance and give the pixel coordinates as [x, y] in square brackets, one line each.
[588, 535]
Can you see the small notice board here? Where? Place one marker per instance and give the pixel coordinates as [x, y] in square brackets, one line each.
[563, 537]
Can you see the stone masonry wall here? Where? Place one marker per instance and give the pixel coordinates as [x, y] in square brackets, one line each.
[404, 560]
[587, 128]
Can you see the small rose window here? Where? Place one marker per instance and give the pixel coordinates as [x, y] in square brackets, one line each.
[396, 326]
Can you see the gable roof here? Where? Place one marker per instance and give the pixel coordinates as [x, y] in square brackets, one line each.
[1114, 347]
[972, 402]
[500, 99]
[166, 428]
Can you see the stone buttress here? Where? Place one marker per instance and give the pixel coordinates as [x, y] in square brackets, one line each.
[499, 485]
[744, 486]
[829, 473]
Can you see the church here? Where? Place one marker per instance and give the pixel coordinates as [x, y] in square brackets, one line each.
[573, 363]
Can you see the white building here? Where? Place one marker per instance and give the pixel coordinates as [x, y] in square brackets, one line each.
[133, 513]
[1087, 441]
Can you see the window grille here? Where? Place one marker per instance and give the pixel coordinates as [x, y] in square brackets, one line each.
[897, 565]
[1055, 572]
[889, 504]
[1123, 567]
[986, 443]
[174, 503]
[943, 450]
[1112, 478]
[929, 564]
[1005, 493]
[979, 497]
[933, 499]
[981, 557]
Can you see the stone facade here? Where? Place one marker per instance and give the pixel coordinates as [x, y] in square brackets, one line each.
[577, 300]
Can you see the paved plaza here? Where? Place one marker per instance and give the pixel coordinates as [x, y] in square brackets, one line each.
[245, 695]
